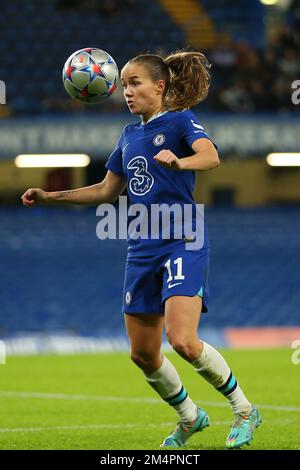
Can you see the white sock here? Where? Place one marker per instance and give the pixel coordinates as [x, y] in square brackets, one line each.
[167, 384]
[213, 368]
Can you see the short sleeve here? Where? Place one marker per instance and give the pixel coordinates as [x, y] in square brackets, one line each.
[191, 128]
[114, 162]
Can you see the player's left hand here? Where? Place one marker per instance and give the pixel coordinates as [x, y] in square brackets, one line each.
[167, 159]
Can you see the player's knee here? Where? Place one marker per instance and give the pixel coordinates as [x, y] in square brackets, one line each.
[183, 349]
[183, 346]
[143, 359]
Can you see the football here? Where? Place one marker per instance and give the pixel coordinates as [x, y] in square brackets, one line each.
[90, 74]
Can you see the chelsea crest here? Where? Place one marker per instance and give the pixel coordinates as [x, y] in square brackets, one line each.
[159, 139]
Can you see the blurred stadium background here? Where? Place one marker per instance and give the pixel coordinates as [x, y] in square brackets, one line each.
[61, 287]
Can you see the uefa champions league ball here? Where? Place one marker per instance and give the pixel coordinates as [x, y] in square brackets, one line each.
[89, 75]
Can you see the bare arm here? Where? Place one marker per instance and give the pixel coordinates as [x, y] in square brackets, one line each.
[205, 157]
[107, 190]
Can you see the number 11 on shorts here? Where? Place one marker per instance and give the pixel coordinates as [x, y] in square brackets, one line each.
[179, 275]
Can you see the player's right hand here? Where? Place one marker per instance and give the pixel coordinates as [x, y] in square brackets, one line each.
[33, 197]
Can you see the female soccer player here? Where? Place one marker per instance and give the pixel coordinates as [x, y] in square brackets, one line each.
[166, 280]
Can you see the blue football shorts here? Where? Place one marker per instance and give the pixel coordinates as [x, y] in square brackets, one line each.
[149, 281]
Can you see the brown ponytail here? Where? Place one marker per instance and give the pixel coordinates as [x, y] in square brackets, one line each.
[189, 80]
[186, 75]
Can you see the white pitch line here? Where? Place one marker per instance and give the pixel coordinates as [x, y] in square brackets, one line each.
[123, 426]
[66, 428]
[64, 396]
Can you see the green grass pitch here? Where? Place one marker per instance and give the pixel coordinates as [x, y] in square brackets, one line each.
[102, 401]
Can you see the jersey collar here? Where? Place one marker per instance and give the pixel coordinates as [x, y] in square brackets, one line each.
[155, 116]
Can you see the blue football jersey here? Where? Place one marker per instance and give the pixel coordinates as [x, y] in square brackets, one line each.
[151, 185]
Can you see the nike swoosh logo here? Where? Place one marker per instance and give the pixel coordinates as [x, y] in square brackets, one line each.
[173, 285]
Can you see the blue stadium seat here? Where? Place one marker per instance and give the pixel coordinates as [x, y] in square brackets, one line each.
[62, 31]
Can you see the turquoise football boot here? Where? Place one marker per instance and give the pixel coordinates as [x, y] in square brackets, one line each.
[184, 431]
[242, 429]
